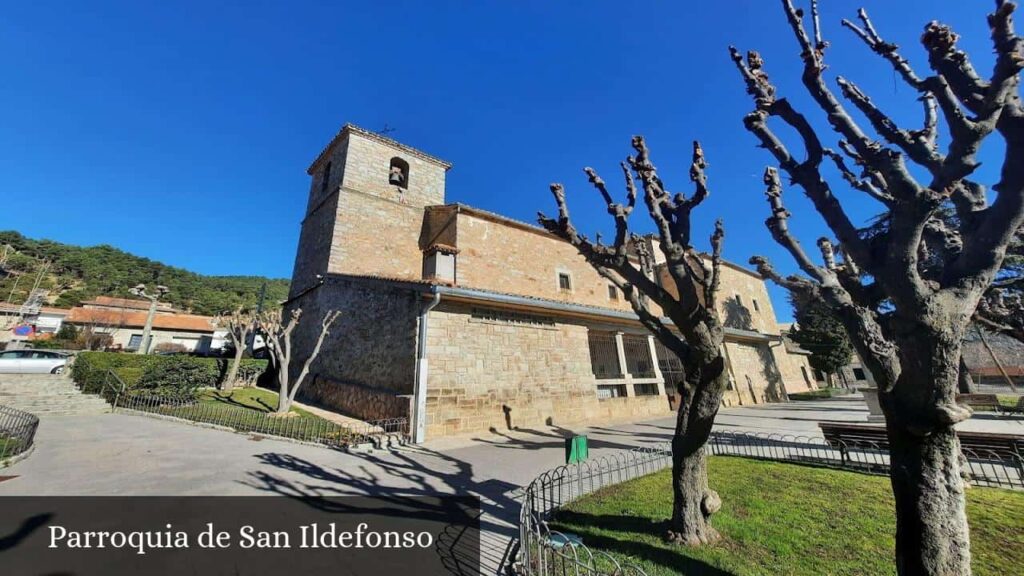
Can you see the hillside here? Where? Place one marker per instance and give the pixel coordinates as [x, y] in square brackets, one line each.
[77, 273]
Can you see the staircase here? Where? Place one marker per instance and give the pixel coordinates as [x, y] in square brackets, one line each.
[47, 394]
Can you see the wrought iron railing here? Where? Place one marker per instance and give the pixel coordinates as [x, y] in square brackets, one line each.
[980, 467]
[544, 552]
[17, 432]
[301, 427]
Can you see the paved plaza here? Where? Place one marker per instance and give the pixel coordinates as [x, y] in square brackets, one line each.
[118, 454]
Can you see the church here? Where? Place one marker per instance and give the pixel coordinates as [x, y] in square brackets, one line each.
[463, 320]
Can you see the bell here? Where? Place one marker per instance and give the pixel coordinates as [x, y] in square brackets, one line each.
[396, 178]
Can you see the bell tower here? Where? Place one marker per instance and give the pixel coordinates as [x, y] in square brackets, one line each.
[365, 209]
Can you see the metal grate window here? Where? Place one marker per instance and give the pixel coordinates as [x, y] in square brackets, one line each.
[605, 391]
[604, 356]
[645, 389]
[638, 356]
[671, 366]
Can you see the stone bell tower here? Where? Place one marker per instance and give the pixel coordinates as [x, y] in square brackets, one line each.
[365, 210]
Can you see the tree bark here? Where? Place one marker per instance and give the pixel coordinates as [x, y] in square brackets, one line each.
[932, 536]
[229, 380]
[965, 383]
[693, 500]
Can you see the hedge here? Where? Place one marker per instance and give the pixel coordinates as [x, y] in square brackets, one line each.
[89, 370]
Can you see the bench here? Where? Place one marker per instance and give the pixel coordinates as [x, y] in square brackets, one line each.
[982, 402]
[846, 435]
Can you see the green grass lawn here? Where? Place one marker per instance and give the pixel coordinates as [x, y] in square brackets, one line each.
[784, 519]
[1008, 400]
[257, 399]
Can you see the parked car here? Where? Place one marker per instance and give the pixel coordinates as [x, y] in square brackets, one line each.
[32, 362]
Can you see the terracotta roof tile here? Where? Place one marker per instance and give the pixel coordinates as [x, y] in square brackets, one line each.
[135, 319]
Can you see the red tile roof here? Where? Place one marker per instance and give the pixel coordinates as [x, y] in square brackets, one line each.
[136, 319]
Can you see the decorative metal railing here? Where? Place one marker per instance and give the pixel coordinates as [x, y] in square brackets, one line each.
[980, 467]
[242, 419]
[545, 552]
[17, 432]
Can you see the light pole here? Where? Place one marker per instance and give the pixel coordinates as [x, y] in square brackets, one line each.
[140, 290]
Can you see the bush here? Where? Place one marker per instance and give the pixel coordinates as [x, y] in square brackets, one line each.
[177, 376]
[89, 369]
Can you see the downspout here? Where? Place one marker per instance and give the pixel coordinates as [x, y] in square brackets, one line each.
[419, 414]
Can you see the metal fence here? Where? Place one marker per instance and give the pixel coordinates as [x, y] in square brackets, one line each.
[546, 552]
[17, 432]
[301, 427]
[980, 467]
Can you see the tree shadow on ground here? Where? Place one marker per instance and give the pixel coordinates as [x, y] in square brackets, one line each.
[672, 558]
[398, 481]
[230, 400]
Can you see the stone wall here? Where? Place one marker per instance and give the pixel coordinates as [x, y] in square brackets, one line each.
[497, 256]
[756, 377]
[372, 345]
[376, 236]
[368, 166]
[357, 401]
[489, 373]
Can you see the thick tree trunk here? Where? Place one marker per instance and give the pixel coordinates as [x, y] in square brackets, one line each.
[693, 501]
[229, 380]
[932, 535]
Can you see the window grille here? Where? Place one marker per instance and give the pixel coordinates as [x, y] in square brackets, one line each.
[605, 391]
[638, 356]
[671, 367]
[645, 389]
[604, 356]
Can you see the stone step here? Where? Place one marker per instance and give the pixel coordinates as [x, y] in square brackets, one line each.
[48, 394]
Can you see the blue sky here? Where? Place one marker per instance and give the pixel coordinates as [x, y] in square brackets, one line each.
[181, 131]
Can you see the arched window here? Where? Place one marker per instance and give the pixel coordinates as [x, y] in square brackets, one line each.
[399, 173]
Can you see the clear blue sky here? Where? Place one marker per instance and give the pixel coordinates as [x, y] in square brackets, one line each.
[181, 131]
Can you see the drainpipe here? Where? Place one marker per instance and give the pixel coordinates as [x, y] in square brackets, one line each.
[420, 386]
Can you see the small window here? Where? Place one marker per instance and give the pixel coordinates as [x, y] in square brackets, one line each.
[739, 300]
[803, 372]
[325, 179]
[564, 282]
[858, 374]
[135, 341]
[613, 292]
[756, 307]
[399, 173]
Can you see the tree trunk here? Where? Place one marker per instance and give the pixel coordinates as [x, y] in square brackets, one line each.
[693, 501]
[229, 380]
[932, 535]
[965, 383]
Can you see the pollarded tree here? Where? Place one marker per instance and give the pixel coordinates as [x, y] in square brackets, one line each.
[906, 297]
[278, 333]
[689, 302]
[240, 326]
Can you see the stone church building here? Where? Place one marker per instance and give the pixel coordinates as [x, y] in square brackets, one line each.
[463, 320]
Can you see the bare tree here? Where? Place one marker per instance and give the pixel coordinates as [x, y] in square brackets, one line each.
[240, 326]
[687, 299]
[906, 296]
[279, 343]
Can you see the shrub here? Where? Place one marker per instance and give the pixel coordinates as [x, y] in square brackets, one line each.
[89, 369]
[177, 376]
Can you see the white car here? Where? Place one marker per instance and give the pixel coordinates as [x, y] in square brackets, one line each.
[32, 362]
